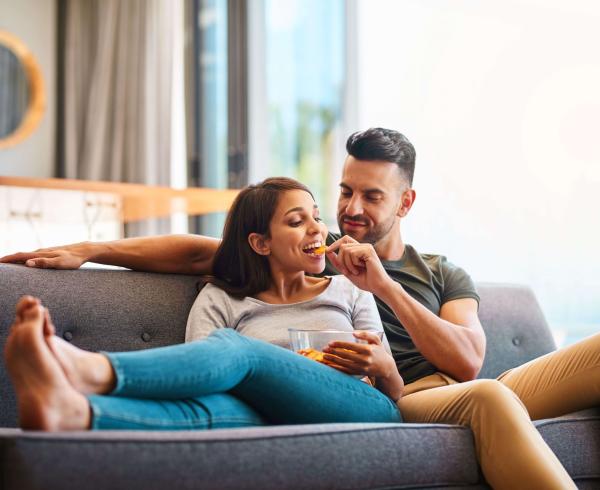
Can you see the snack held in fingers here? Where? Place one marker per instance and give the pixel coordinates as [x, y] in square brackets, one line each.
[315, 248]
[320, 250]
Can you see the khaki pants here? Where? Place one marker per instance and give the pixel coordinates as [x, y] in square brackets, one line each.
[510, 450]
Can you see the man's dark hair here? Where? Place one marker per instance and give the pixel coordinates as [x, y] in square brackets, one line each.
[384, 145]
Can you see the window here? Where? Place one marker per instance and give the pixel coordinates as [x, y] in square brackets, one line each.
[270, 89]
[301, 100]
[208, 119]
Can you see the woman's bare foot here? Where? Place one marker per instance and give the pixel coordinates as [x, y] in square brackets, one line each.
[88, 372]
[46, 399]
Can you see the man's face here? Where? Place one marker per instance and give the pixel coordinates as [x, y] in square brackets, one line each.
[370, 199]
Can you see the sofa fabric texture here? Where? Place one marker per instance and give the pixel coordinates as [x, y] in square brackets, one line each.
[118, 310]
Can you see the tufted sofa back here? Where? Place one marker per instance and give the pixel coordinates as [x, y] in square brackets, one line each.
[116, 310]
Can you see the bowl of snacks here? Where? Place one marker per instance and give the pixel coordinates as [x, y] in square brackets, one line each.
[310, 343]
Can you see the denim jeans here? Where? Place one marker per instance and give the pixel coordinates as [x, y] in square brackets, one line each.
[228, 380]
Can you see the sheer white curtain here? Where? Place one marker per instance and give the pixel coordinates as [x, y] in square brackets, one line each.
[118, 92]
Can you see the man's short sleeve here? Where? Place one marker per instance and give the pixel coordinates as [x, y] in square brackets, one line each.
[457, 283]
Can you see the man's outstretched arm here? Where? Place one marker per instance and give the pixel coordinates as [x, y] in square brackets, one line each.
[183, 254]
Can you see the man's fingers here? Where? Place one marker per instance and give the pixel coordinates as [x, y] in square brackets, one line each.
[334, 247]
[348, 263]
[355, 256]
[336, 262]
[17, 258]
[34, 263]
[23, 257]
[358, 260]
[43, 263]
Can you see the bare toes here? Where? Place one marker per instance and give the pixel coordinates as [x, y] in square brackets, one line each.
[35, 312]
[49, 328]
[24, 303]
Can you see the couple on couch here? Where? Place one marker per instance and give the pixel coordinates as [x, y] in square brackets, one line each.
[267, 277]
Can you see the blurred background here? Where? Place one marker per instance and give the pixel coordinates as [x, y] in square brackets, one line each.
[501, 100]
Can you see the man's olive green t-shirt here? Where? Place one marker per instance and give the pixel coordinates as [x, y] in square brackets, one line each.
[432, 281]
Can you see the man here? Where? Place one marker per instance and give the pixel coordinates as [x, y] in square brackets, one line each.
[429, 310]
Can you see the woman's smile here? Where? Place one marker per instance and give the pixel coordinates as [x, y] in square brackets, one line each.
[313, 249]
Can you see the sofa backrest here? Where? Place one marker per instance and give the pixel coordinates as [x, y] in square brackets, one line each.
[515, 327]
[116, 310]
[98, 309]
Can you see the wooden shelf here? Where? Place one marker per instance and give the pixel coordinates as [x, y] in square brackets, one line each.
[140, 201]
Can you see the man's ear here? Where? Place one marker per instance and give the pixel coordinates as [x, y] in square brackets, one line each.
[259, 244]
[406, 201]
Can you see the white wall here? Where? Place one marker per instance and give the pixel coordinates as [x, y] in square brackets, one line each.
[34, 22]
[502, 102]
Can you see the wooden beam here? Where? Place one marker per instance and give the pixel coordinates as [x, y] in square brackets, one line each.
[140, 201]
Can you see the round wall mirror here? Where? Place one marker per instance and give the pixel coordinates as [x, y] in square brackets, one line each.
[22, 97]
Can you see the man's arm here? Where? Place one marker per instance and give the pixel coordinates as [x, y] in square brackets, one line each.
[184, 254]
[454, 342]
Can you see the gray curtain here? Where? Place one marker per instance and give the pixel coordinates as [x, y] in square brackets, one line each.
[117, 93]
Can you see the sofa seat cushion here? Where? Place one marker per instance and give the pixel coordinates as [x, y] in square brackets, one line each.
[349, 456]
[575, 439]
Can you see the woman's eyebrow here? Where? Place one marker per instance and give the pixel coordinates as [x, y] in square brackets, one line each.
[298, 208]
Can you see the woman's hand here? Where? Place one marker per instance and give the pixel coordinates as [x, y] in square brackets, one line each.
[369, 359]
[359, 263]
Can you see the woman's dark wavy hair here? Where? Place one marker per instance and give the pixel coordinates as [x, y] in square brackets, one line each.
[238, 269]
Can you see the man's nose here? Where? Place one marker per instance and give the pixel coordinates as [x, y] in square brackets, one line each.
[354, 206]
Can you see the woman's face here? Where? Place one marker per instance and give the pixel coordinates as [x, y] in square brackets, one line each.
[295, 229]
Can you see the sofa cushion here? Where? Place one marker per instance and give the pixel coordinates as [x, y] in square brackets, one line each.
[304, 456]
[349, 456]
[514, 325]
[575, 439]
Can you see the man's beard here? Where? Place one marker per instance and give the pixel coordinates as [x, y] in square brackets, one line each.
[373, 234]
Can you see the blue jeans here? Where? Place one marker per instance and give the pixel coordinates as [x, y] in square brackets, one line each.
[228, 380]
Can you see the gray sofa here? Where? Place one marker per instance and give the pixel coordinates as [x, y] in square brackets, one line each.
[124, 310]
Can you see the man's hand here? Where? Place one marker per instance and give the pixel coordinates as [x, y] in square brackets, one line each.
[175, 254]
[66, 257]
[359, 263]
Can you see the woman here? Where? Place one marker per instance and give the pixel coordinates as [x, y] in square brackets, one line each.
[224, 377]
